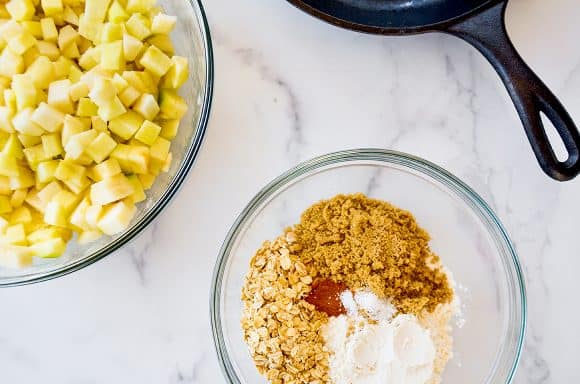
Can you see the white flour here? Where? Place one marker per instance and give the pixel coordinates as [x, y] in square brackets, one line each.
[386, 350]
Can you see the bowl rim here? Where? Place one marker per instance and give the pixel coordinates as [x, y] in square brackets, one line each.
[172, 188]
[401, 159]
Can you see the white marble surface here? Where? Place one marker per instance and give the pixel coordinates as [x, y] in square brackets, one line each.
[288, 88]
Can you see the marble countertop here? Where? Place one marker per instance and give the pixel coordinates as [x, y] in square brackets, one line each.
[288, 88]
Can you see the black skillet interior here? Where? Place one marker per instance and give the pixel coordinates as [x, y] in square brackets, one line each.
[389, 16]
[481, 24]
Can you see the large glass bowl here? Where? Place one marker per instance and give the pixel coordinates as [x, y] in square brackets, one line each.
[191, 38]
[466, 234]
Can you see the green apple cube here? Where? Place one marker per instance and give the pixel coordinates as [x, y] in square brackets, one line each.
[78, 91]
[110, 190]
[46, 170]
[23, 123]
[52, 7]
[112, 56]
[138, 26]
[49, 31]
[52, 145]
[169, 129]
[58, 95]
[116, 218]
[101, 147]
[129, 96]
[41, 72]
[131, 47]
[177, 74]
[20, 10]
[173, 107]
[126, 125]
[15, 257]
[48, 117]
[86, 108]
[155, 61]
[55, 214]
[77, 143]
[148, 132]
[106, 169]
[147, 106]
[116, 13]
[163, 24]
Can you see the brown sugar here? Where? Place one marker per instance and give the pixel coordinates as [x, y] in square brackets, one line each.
[368, 243]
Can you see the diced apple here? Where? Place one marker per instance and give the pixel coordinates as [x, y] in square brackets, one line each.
[129, 96]
[46, 170]
[17, 198]
[163, 42]
[77, 144]
[148, 132]
[86, 108]
[78, 91]
[131, 47]
[58, 95]
[6, 116]
[126, 125]
[132, 158]
[169, 129]
[25, 179]
[116, 218]
[111, 189]
[48, 117]
[111, 32]
[155, 61]
[163, 24]
[96, 10]
[173, 107]
[23, 123]
[13, 148]
[22, 42]
[55, 214]
[70, 16]
[20, 10]
[49, 31]
[49, 249]
[112, 110]
[87, 237]
[72, 126]
[48, 49]
[41, 72]
[147, 106]
[10, 63]
[101, 147]
[105, 170]
[5, 206]
[139, 26]
[116, 13]
[89, 28]
[52, 7]
[52, 145]
[93, 214]
[35, 155]
[25, 91]
[15, 257]
[112, 56]
[177, 74]
[98, 124]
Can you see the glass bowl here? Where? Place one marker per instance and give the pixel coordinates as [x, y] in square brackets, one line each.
[192, 39]
[466, 234]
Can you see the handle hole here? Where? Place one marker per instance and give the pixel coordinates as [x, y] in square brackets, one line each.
[555, 139]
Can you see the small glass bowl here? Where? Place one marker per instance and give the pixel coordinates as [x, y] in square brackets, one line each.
[466, 234]
[192, 39]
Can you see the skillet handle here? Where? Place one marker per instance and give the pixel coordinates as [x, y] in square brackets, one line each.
[486, 31]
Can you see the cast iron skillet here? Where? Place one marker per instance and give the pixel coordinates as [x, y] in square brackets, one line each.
[480, 23]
